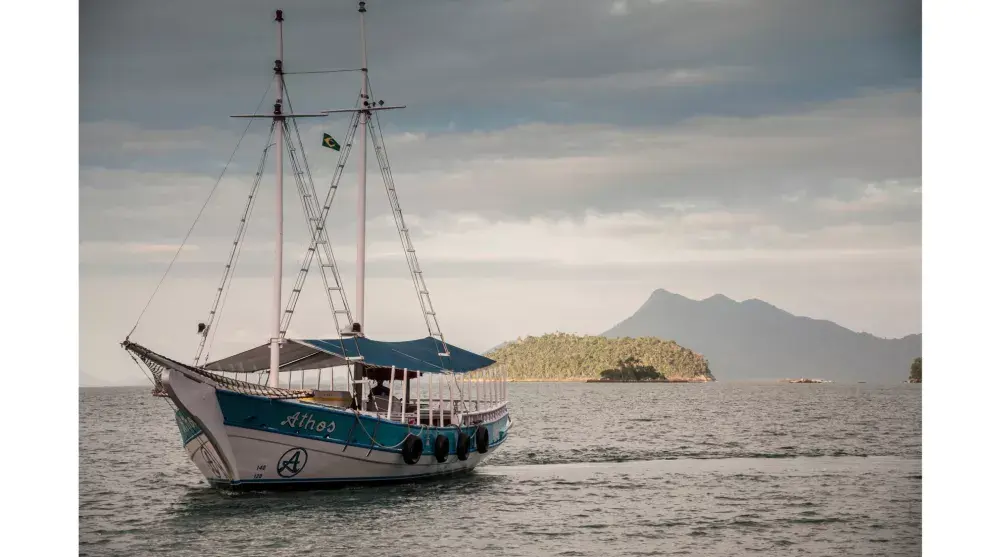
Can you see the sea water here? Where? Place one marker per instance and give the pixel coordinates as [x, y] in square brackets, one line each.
[590, 469]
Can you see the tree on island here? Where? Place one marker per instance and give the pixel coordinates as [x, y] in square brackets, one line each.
[631, 369]
[916, 370]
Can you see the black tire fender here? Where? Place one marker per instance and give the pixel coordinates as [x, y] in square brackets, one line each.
[481, 439]
[441, 447]
[463, 445]
[412, 449]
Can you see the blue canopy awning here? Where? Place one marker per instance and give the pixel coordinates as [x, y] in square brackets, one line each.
[421, 355]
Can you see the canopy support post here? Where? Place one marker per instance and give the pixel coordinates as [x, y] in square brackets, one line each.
[429, 401]
[419, 396]
[405, 393]
[440, 395]
[451, 383]
[391, 386]
[358, 385]
[460, 389]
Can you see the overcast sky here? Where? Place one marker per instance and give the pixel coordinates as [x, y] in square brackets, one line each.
[558, 161]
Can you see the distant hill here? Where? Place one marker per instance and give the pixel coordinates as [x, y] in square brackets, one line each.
[755, 340]
[494, 348]
[559, 356]
[87, 380]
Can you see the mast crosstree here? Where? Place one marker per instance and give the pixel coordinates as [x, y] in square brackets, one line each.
[288, 140]
[320, 246]
[415, 271]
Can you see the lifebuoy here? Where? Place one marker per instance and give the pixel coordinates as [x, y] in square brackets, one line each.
[463, 445]
[412, 449]
[481, 439]
[441, 448]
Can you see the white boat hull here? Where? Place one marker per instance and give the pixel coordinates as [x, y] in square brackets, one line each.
[235, 457]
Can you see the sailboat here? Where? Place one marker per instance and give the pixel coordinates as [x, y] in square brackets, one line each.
[444, 411]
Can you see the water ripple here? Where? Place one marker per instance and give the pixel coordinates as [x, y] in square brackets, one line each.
[721, 469]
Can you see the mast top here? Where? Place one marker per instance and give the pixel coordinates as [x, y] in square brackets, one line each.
[361, 7]
[278, 15]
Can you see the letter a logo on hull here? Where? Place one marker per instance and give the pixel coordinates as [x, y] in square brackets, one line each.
[292, 462]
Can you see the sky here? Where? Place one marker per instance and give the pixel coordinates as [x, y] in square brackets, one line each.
[558, 160]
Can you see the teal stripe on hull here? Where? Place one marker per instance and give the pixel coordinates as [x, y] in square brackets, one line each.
[337, 425]
[188, 428]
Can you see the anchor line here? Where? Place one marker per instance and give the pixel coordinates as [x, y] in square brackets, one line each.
[350, 432]
[198, 215]
[372, 437]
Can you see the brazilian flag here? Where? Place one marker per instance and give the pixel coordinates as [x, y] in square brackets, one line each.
[330, 142]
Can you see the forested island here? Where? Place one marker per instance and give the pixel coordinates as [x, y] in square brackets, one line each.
[566, 357]
[631, 370]
[915, 376]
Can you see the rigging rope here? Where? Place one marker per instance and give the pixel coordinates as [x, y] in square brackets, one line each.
[316, 218]
[220, 300]
[307, 197]
[419, 283]
[320, 231]
[200, 214]
[357, 416]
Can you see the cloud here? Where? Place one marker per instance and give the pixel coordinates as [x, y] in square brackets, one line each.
[129, 138]
[757, 148]
[535, 168]
[641, 81]
[619, 7]
[434, 56]
[873, 197]
[773, 178]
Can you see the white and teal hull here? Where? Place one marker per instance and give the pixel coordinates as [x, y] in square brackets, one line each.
[242, 441]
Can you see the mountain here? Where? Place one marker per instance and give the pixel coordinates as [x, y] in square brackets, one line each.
[564, 357]
[755, 340]
[87, 380]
